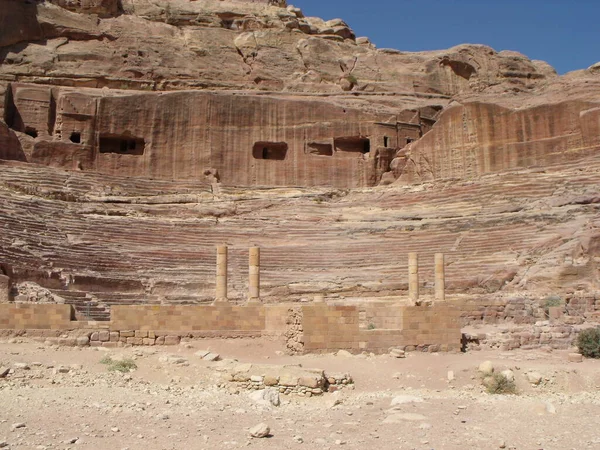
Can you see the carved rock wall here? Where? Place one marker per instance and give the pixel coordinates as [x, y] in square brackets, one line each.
[477, 138]
[103, 8]
[244, 140]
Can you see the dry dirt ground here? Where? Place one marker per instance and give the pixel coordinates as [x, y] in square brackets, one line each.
[167, 405]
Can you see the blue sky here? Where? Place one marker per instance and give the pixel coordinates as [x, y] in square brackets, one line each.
[564, 33]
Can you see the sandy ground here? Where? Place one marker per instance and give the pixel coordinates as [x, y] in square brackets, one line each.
[162, 405]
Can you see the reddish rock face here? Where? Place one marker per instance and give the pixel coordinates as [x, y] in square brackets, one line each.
[249, 140]
[153, 130]
[103, 8]
[478, 138]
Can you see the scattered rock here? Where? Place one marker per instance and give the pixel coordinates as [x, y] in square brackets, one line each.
[298, 439]
[534, 378]
[403, 399]
[486, 368]
[575, 357]
[550, 408]
[508, 374]
[21, 366]
[17, 425]
[344, 353]
[266, 397]
[212, 357]
[260, 431]
[202, 353]
[404, 417]
[397, 353]
[4, 371]
[451, 376]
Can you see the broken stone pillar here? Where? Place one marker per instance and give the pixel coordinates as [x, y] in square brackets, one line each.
[221, 294]
[440, 294]
[413, 277]
[254, 275]
[4, 289]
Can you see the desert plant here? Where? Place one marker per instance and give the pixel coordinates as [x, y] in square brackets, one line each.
[371, 326]
[122, 365]
[550, 302]
[497, 383]
[588, 342]
[352, 79]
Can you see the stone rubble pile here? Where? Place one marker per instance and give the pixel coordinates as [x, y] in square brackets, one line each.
[287, 380]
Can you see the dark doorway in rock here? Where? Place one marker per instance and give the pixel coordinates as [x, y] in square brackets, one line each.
[29, 131]
[353, 144]
[122, 145]
[75, 137]
[276, 151]
[319, 149]
[386, 141]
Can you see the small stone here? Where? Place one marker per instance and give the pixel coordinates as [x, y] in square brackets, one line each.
[4, 371]
[502, 444]
[162, 416]
[3, 444]
[340, 442]
[202, 353]
[115, 429]
[402, 399]
[260, 431]
[266, 397]
[344, 353]
[486, 368]
[451, 376]
[550, 408]
[298, 439]
[534, 378]
[575, 357]
[18, 425]
[212, 357]
[397, 353]
[401, 418]
[21, 366]
[508, 374]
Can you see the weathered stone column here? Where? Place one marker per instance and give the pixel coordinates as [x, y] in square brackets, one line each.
[4, 289]
[221, 290]
[413, 277]
[254, 275]
[440, 280]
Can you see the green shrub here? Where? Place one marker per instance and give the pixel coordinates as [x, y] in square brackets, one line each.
[588, 342]
[371, 326]
[352, 79]
[124, 365]
[499, 384]
[550, 302]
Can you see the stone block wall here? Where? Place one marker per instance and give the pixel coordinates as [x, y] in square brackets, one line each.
[23, 316]
[311, 328]
[437, 326]
[328, 328]
[177, 318]
[432, 328]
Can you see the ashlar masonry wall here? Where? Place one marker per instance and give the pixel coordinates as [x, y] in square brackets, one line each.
[311, 328]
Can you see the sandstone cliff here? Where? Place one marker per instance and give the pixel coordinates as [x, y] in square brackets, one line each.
[125, 122]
